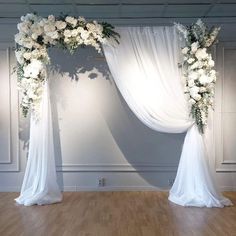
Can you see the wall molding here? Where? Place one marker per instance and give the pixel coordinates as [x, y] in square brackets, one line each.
[116, 168]
[221, 163]
[12, 164]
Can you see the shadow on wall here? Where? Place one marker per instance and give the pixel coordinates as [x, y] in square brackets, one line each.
[140, 146]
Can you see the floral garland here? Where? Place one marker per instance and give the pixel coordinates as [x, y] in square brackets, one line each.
[198, 72]
[36, 34]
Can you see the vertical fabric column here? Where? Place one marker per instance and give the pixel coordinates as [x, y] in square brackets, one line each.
[40, 182]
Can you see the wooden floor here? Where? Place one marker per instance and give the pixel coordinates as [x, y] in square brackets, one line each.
[113, 214]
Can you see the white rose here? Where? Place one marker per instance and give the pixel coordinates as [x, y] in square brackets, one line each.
[211, 63]
[197, 97]
[193, 75]
[27, 55]
[60, 25]
[201, 54]
[67, 33]
[84, 34]
[53, 35]
[91, 26]
[191, 83]
[23, 27]
[71, 20]
[190, 60]
[202, 89]
[213, 72]
[51, 18]
[191, 101]
[34, 36]
[195, 65]
[194, 91]
[204, 79]
[185, 50]
[194, 47]
[49, 28]
[74, 32]
[200, 71]
[19, 57]
[66, 40]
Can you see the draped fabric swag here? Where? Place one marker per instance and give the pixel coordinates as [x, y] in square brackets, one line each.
[145, 69]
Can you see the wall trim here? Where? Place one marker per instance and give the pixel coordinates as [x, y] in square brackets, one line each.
[116, 168]
[13, 164]
[108, 188]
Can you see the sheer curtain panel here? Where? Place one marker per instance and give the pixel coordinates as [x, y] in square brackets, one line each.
[40, 183]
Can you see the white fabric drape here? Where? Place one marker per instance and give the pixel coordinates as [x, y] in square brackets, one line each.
[40, 184]
[145, 68]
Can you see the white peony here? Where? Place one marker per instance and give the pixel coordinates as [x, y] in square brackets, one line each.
[201, 54]
[33, 69]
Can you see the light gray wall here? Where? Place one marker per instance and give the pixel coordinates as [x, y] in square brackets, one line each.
[96, 134]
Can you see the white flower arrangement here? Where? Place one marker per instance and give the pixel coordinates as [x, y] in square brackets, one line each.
[36, 34]
[198, 69]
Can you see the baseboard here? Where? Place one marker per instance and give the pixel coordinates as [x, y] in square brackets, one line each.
[107, 188]
[10, 189]
[111, 188]
[227, 188]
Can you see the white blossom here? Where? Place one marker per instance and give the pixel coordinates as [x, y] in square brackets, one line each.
[71, 20]
[33, 68]
[185, 50]
[201, 54]
[194, 47]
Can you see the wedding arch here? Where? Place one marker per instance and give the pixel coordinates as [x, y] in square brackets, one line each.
[186, 87]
